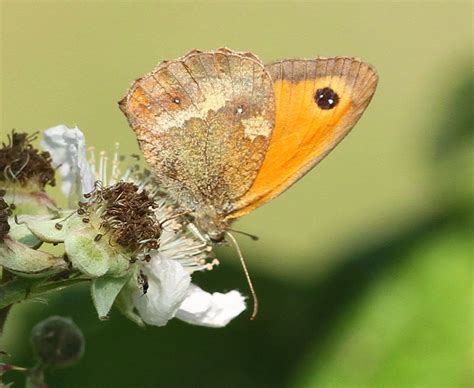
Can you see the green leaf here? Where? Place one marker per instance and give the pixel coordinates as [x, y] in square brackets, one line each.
[412, 329]
[104, 292]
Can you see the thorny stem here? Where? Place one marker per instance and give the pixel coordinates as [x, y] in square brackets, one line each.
[6, 276]
[19, 289]
[35, 377]
[3, 318]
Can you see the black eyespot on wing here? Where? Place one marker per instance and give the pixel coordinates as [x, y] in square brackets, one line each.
[326, 98]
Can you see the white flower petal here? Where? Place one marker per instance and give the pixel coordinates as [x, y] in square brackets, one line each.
[213, 310]
[168, 283]
[67, 147]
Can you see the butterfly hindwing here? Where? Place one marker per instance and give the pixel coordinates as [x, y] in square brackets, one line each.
[317, 104]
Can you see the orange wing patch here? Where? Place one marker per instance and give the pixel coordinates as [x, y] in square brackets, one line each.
[317, 104]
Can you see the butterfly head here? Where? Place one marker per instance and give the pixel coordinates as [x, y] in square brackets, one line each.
[211, 223]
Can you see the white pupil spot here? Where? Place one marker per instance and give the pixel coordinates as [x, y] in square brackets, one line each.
[176, 100]
[240, 109]
[331, 101]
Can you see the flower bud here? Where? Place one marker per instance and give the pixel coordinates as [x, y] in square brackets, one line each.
[58, 341]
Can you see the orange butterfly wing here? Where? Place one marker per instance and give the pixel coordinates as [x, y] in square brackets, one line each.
[306, 132]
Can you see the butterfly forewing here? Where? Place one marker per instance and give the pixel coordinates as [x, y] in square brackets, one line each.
[204, 123]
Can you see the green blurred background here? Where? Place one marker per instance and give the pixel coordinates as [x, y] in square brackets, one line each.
[363, 269]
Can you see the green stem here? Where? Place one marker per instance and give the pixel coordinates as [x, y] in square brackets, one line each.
[20, 289]
[35, 378]
[3, 317]
[14, 290]
[6, 276]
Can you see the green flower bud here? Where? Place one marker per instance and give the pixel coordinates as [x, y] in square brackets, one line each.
[58, 341]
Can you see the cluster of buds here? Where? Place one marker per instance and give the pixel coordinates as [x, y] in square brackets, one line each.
[122, 233]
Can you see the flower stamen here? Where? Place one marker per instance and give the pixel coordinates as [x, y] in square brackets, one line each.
[127, 213]
[22, 163]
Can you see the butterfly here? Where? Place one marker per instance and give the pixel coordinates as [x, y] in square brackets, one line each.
[225, 133]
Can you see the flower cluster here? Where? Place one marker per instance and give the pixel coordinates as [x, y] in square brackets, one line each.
[120, 231]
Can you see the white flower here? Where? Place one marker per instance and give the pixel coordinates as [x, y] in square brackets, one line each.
[167, 270]
[168, 284]
[170, 291]
[67, 147]
[213, 310]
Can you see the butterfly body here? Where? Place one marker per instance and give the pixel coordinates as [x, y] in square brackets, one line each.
[225, 133]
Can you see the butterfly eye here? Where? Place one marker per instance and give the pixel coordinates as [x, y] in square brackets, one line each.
[177, 100]
[326, 98]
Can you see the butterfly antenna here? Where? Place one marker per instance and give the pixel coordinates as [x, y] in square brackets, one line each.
[252, 236]
[247, 275]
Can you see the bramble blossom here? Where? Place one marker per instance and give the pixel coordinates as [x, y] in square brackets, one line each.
[124, 234]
